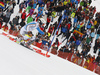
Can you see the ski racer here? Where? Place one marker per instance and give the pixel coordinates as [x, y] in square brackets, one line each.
[26, 31]
[31, 26]
[29, 38]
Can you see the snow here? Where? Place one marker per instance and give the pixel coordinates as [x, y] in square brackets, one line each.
[17, 60]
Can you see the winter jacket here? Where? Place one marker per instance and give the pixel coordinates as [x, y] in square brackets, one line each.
[96, 44]
[23, 16]
[40, 8]
[21, 6]
[53, 14]
[22, 24]
[95, 22]
[65, 2]
[64, 29]
[30, 4]
[73, 15]
[44, 42]
[85, 4]
[92, 34]
[76, 2]
[34, 5]
[78, 26]
[81, 3]
[31, 11]
[41, 2]
[72, 39]
[78, 42]
[48, 5]
[8, 14]
[65, 16]
[48, 20]
[72, 1]
[67, 12]
[15, 21]
[69, 26]
[89, 26]
[28, 8]
[40, 13]
[51, 0]
[29, 19]
[88, 40]
[75, 20]
[50, 30]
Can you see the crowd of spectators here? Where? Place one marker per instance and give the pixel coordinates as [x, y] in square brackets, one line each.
[78, 27]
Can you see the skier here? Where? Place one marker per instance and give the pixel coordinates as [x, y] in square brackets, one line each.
[31, 26]
[29, 38]
[25, 30]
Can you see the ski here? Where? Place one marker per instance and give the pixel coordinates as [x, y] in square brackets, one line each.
[26, 46]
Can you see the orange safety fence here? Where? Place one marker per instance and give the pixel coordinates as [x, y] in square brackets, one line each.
[86, 64]
[97, 69]
[63, 54]
[74, 58]
[54, 51]
[79, 61]
[14, 33]
[81, 64]
[60, 54]
[92, 66]
[69, 56]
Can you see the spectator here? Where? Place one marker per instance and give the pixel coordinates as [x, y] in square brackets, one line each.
[22, 23]
[1, 22]
[98, 58]
[78, 42]
[31, 11]
[64, 30]
[21, 6]
[8, 14]
[45, 47]
[16, 20]
[29, 19]
[53, 15]
[12, 27]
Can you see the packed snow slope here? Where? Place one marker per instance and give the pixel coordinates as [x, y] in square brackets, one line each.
[18, 60]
